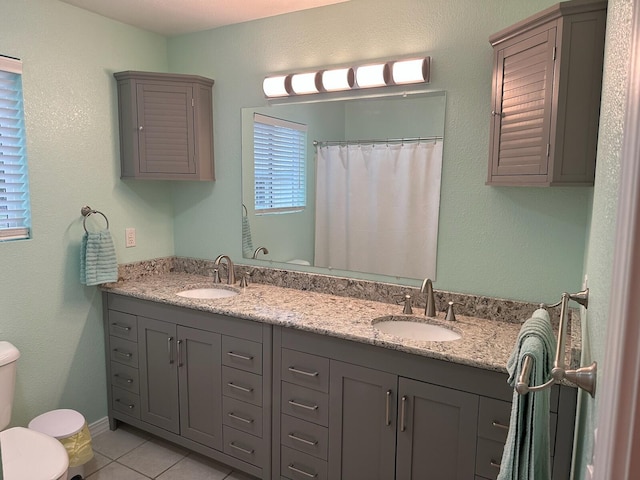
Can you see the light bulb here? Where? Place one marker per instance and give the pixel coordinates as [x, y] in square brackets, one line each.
[275, 86]
[410, 71]
[371, 75]
[303, 83]
[338, 79]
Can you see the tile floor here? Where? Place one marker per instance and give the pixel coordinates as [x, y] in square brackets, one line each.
[130, 454]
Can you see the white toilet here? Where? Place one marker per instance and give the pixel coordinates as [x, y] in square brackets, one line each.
[26, 454]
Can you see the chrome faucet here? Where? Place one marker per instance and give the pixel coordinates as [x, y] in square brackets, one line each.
[231, 276]
[430, 305]
[258, 250]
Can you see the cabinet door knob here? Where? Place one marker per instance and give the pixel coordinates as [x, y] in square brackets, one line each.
[140, 128]
[495, 113]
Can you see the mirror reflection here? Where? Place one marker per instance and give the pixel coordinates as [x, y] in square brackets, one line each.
[351, 185]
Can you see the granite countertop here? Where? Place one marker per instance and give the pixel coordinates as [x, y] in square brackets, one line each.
[484, 344]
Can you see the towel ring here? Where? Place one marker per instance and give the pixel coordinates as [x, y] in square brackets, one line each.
[86, 212]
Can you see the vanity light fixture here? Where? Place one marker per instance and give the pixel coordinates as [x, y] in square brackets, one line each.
[410, 71]
[398, 72]
[278, 86]
[375, 75]
[303, 83]
[338, 79]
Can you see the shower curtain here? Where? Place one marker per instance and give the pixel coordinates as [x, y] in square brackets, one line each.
[377, 208]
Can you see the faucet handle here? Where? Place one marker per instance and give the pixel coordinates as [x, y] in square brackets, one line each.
[451, 316]
[244, 279]
[216, 275]
[406, 299]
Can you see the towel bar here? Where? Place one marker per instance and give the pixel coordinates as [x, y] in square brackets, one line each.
[86, 212]
[583, 377]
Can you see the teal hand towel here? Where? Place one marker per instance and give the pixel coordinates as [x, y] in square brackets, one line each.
[98, 262]
[526, 453]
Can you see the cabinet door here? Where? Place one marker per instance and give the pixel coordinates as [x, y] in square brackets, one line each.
[158, 374]
[522, 103]
[437, 430]
[166, 128]
[362, 433]
[199, 367]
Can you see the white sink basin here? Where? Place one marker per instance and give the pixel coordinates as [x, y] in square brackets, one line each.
[414, 328]
[208, 293]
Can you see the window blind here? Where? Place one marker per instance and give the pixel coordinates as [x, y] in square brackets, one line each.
[14, 182]
[279, 152]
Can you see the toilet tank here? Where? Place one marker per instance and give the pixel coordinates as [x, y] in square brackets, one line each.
[8, 356]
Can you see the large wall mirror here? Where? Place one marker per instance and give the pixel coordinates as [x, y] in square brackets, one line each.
[370, 183]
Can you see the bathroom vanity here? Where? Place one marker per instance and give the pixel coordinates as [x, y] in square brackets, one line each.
[283, 383]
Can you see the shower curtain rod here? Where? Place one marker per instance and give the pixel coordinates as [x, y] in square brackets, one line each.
[321, 143]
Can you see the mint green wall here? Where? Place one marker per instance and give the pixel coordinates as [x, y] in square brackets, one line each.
[520, 243]
[599, 257]
[70, 102]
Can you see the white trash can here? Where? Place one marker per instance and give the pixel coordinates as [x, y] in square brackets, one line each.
[70, 428]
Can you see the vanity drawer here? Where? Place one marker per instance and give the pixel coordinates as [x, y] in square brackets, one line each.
[304, 403]
[493, 419]
[304, 436]
[125, 377]
[300, 466]
[123, 325]
[305, 369]
[242, 385]
[242, 354]
[125, 402]
[123, 351]
[243, 416]
[488, 458]
[246, 447]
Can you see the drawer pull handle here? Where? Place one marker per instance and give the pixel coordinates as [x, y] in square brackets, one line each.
[130, 406]
[403, 413]
[239, 387]
[238, 417]
[494, 464]
[241, 357]
[303, 440]
[500, 425]
[387, 413]
[301, 472]
[243, 450]
[302, 405]
[121, 327]
[123, 354]
[128, 380]
[303, 372]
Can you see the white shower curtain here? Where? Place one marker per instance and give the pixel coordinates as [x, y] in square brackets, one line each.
[377, 208]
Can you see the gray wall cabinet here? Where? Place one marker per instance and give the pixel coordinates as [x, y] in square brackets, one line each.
[166, 126]
[547, 79]
[197, 379]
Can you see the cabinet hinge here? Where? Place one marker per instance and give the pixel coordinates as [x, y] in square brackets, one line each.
[548, 149]
[193, 102]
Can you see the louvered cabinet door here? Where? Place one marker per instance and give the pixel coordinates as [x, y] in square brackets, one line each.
[522, 108]
[165, 129]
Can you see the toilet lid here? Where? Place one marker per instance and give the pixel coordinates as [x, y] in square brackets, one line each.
[31, 455]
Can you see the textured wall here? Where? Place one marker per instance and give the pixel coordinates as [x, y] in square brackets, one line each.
[599, 259]
[519, 243]
[69, 56]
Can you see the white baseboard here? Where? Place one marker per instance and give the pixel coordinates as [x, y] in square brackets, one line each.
[99, 426]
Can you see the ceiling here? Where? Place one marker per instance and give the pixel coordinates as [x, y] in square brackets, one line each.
[175, 17]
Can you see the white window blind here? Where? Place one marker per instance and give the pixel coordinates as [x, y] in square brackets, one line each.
[279, 152]
[14, 182]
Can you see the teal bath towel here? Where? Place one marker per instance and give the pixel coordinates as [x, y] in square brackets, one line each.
[98, 262]
[526, 453]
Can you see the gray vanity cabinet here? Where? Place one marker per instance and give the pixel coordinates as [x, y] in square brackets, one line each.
[547, 78]
[198, 379]
[166, 126]
[180, 380]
